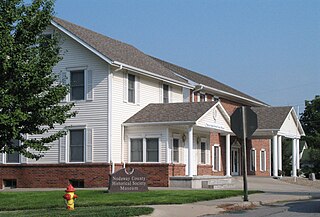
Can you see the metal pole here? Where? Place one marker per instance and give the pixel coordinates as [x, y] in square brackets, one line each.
[244, 156]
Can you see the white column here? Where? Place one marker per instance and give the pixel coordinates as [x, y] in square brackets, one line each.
[228, 155]
[190, 152]
[298, 153]
[294, 157]
[275, 155]
[280, 153]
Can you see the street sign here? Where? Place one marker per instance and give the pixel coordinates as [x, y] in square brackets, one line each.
[244, 122]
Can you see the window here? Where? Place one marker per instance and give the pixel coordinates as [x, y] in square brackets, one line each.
[175, 145]
[203, 152]
[152, 149]
[77, 183]
[165, 88]
[13, 157]
[131, 88]
[77, 85]
[252, 160]
[144, 150]
[202, 97]
[263, 160]
[76, 145]
[9, 183]
[136, 150]
[216, 158]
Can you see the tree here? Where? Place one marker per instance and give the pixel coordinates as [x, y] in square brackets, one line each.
[29, 91]
[310, 120]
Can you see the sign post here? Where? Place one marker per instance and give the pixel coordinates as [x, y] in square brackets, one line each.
[243, 124]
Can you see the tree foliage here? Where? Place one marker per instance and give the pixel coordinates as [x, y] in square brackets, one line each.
[29, 91]
[310, 120]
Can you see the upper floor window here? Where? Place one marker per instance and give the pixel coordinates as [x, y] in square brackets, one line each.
[76, 145]
[77, 82]
[131, 88]
[13, 157]
[202, 97]
[165, 88]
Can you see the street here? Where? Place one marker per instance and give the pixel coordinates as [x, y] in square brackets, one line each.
[291, 209]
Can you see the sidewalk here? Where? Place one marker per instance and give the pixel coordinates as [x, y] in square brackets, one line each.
[275, 191]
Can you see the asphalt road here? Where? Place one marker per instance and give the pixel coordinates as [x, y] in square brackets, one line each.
[291, 209]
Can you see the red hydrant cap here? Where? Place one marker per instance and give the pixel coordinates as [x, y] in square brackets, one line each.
[70, 188]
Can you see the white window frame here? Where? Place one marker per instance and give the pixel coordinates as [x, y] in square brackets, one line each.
[213, 157]
[126, 88]
[86, 82]
[6, 154]
[169, 93]
[144, 147]
[251, 160]
[202, 94]
[84, 128]
[178, 137]
[207, 160]
[265, 160]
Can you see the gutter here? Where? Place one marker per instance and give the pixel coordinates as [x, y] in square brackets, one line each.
[234, 95]
[160, 123]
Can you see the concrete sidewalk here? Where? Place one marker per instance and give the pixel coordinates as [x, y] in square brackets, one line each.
[275, 191]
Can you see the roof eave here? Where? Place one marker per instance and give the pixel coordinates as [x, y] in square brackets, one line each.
[253, 102]
[160, 123]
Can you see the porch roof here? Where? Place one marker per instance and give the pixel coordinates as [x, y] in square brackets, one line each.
[277, 121]
[171, 112]
[205, 115]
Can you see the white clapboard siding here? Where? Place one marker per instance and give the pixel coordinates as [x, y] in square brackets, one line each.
[92, 112]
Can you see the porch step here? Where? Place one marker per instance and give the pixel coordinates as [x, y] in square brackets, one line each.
[210, 182]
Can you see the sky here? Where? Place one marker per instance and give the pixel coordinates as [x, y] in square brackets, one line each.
[269, 49]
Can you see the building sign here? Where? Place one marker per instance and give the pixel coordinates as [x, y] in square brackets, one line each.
[126, 180]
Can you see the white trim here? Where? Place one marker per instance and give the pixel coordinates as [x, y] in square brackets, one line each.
[265, 160]
[213, 158]
[161, 123]
[144, 147]
[110, 77]
[255, 160]
[67, 153]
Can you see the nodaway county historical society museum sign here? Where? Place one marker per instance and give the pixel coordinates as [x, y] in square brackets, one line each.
[128, 181]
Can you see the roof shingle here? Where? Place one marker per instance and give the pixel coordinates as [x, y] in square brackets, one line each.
[171, 112]
[271, 117]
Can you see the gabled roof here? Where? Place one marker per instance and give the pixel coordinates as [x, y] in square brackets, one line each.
[188, 112]
[117, 51]
[271, 117]
[278, 121]
[205, 80]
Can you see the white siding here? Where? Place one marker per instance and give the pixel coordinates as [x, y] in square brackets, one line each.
[121, 110]
[214, 119]
[92, 114]
[289, 127]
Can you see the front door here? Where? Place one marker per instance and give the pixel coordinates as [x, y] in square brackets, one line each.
[235, 162]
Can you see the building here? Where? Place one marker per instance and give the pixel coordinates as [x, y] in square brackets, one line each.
[138, 111]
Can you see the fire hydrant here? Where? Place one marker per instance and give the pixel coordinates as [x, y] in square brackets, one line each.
[70, 196]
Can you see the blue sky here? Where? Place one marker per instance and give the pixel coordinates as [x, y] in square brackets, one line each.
[269, 49]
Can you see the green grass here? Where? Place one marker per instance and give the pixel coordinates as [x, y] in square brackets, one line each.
[81, 212]
[89, 198]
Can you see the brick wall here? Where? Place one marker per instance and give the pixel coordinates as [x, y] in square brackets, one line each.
[229, 106]
[56, 175]
[177, 170]
[259, 144]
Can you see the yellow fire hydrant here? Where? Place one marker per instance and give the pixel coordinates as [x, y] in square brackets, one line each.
[70, 196]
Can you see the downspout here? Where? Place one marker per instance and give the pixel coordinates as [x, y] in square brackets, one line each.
[197, 89]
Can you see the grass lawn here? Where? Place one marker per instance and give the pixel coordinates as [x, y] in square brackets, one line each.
[101, 203]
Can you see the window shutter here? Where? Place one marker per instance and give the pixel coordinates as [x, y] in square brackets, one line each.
[89, 139]
[62, 149]
[137, 90]
[160, 92]
[89, 85]
[23, 159]
[1, 158]
[65, 80]
[125, 87]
